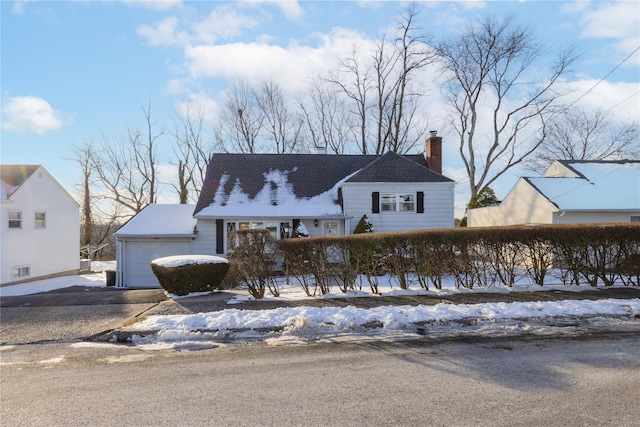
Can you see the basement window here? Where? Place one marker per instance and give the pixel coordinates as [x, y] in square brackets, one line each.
[20, 272]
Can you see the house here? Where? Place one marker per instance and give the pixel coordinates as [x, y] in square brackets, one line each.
[319, 193]
[40, 226]
[569, 192]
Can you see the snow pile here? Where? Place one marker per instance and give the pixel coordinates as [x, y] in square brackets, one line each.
[314, 322]
[180, 260]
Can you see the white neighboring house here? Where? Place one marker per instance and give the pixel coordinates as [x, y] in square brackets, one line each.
[40, 226]
[320, 193]
[569, 192]
[157, 231]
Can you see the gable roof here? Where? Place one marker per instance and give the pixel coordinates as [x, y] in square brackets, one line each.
[301, 184]
[161, 220]
[599, 185]
[12, 177]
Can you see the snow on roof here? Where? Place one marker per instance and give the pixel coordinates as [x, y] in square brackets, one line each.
[275, 199]
[161, 220]
[603, 186]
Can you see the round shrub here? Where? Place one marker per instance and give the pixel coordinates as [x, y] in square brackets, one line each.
[183, 274]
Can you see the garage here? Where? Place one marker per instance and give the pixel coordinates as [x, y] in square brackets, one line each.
[157, 231]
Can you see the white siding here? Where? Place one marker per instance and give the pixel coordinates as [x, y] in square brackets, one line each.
[523, 205]
[49, 251]
[205, 242]
[594, 217]
[438, 206]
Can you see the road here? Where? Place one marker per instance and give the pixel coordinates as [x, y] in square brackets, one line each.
[527, 381]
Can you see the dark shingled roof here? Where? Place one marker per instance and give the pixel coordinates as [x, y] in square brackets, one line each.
[311, 174]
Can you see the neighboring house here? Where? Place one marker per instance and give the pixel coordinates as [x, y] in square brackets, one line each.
[569, 192]
[40, 226]
[319, 193]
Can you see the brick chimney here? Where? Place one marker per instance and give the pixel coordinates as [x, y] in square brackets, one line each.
[433, 152]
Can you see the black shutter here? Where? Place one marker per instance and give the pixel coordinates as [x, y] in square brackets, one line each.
[375, 202]
[420, 201]
[219, 236]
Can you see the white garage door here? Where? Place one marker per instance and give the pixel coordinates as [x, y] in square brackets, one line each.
[138, 257]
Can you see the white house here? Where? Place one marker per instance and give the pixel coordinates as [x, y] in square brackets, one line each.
[40, 226]
[569, 192]
[324, 194]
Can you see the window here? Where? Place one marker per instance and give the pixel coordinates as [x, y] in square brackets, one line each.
[388, 202]
[634, 218]
[19, 272]
[398, 202]
[407, 202]
[15, 219]
[40, 220]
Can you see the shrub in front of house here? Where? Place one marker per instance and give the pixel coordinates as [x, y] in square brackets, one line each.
[253, 256]
[184, 274]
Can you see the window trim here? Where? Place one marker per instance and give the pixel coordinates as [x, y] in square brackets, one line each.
[43, 220]
[399, 202]
[10, 220]
[17, 272]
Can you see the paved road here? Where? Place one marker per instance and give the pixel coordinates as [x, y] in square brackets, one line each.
[532, 382]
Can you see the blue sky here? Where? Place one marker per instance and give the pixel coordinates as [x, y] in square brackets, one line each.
[71, 70]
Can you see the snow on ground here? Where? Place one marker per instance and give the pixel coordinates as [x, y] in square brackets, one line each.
[96, 278]
[299, 324]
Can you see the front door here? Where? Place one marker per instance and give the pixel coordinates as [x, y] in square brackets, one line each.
[330, 228]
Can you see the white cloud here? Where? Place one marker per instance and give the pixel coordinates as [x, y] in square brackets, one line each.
[289, 65]
[30, 114]
[290, 8]
[621, 99]
[222, 22]
[618, 21]
[18, 6]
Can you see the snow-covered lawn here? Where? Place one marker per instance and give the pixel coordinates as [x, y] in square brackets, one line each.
[308, 322]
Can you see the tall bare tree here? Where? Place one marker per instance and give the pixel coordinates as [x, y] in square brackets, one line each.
[398, 94]
[382, 89]
[324, 117]
[281, 124]
[127, 169]
[193, 155]
[578, 134]
[499, 105]
[354, 81]
[82, 154]
[240, 121]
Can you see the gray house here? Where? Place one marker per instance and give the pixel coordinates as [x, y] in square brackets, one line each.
[319, 194]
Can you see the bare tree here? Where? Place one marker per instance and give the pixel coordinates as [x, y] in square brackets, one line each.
[193, 156]
[240, 121]
[127, 169]
[381, 89]
[281, 124]
[398, 96]
[325, 118]
[354, 81]
[82, 155]
[489, 83]
[578, 134]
